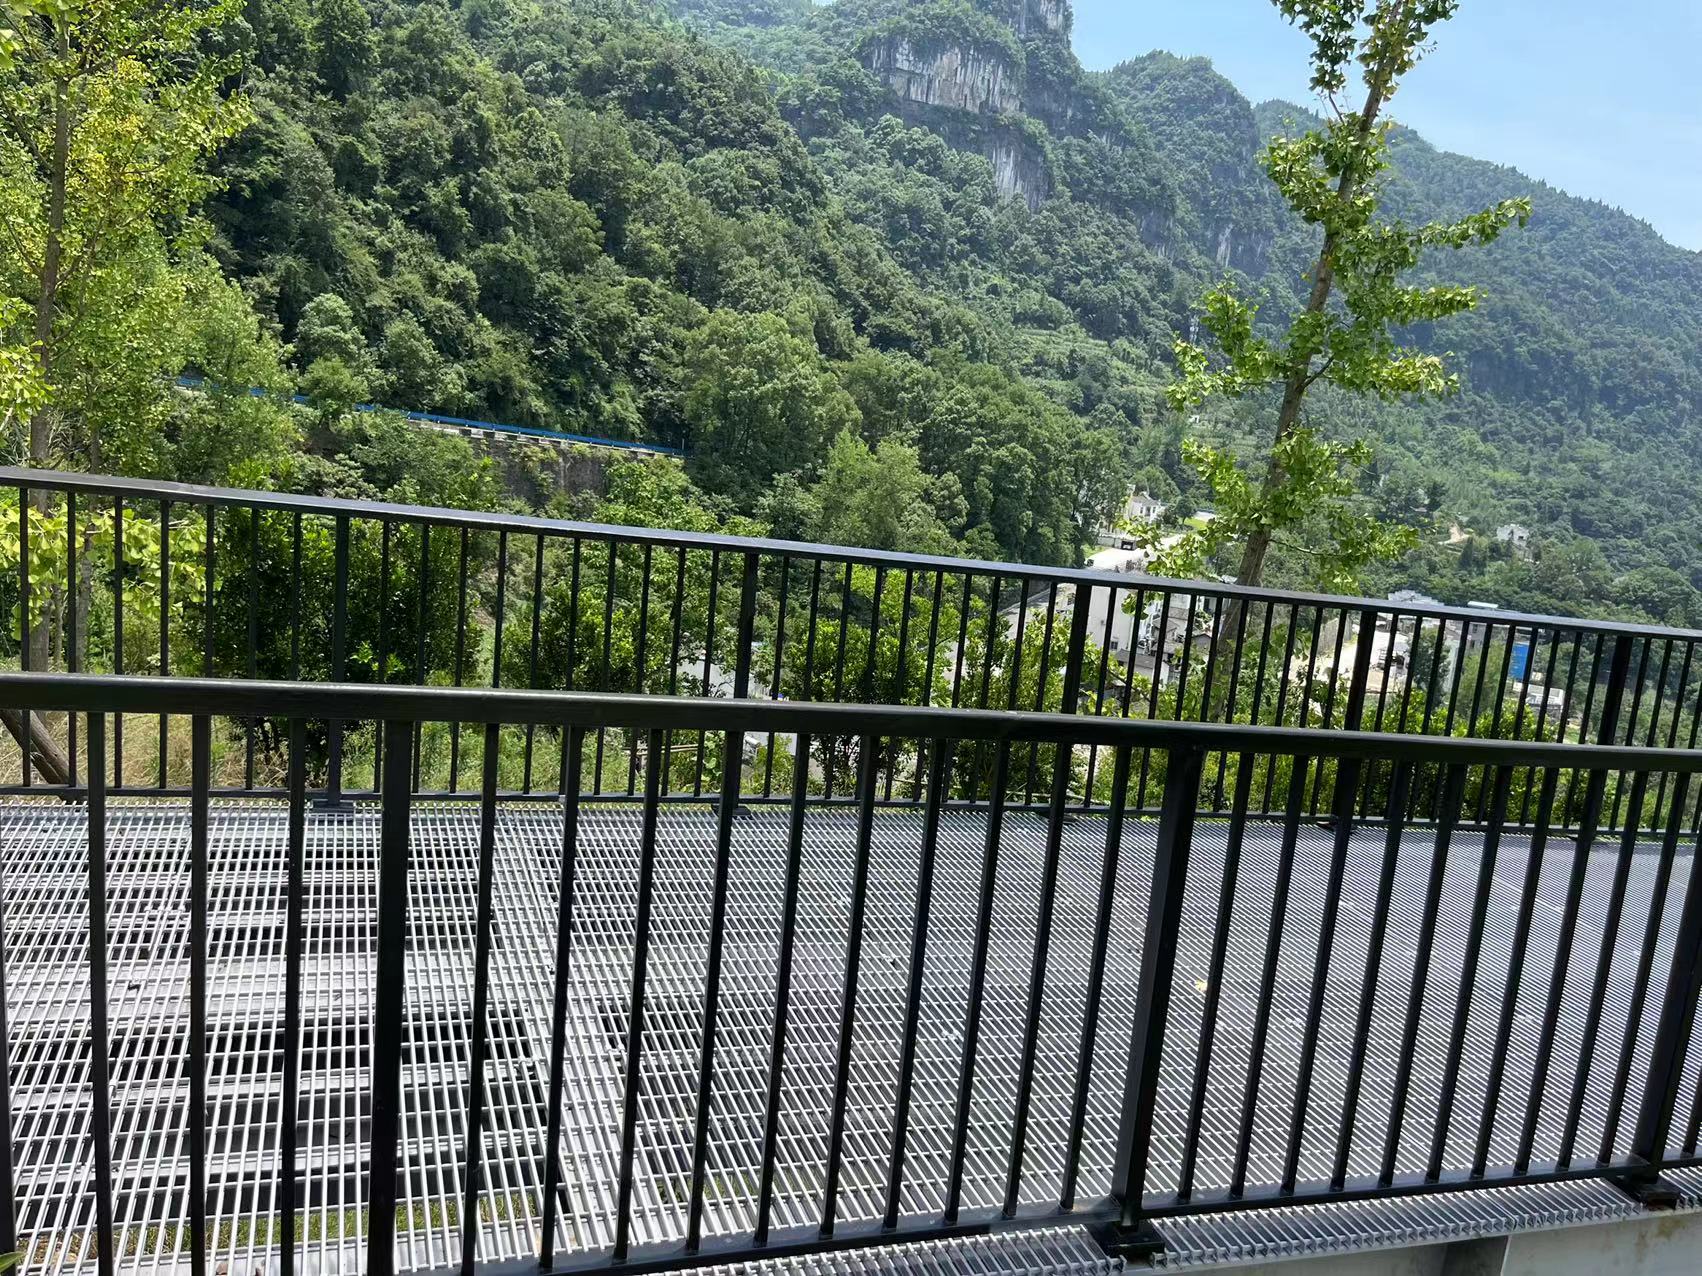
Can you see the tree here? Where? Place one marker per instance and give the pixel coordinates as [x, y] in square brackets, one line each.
[759, 401]
[878, 498]
[109, 111]
[1346, 335]
[343, 44]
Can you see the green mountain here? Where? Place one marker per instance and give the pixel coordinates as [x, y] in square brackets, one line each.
[750, 225]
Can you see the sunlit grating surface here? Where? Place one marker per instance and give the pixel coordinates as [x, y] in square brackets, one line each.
[43, 856]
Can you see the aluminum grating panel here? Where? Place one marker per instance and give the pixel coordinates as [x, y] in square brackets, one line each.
[43, 856]
[1314, 1231]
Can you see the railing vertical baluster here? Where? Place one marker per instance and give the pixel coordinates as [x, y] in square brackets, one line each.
[72, 643]
[1042, 935]
[1672, 726]
[868, 767]
[640, 655]
[200, 781]
[779, 665]
[501, 609]
[460, 656]
[631, 1070]
[208, 597]
[1400, 792]
[1587, 829]
[903, 669]
[1185, 657]
[1452, 786]
[709, 658]
[1100, 685]
[1667, 1058]
[1488, 860]
[472, 1170]
[295, 901]
[747, 631]
[977, 979]
[676, 626]
[165, 625]
[99, 1058]
[732, 750]
[1645, 963]
[1121, 765]
[1298, 773]
[920, 921]
[388, 1023]
[1515, 969]
[963, 610]
[1152, 994]
[866, 683]
[1612, 919]
[572, 750]
[1234, 841]
[1347, 781]
[421, 652]
[117, 635]
[783, 984]
[253, 666]
[1040, 688]
[27, 717]
[333, 799]
[532, 655]
[380, 666]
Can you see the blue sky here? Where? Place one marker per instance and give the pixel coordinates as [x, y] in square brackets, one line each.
[1601, 100]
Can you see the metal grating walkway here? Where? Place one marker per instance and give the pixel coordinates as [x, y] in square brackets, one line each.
[43, 860]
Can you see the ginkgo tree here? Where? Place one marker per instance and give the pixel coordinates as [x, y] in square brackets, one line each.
[1348, 334]
[109, 113]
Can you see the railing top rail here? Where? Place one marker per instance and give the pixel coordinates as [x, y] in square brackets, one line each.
[528, 524]
[151, 695]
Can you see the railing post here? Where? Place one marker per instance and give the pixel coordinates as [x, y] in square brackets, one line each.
[333, 799]
[1672, 1034]
[1595, 790]
[1618, 670]
[1348, 771]
[747, 628]
[387, 1012]
[1130, 1233]
[1077, 653]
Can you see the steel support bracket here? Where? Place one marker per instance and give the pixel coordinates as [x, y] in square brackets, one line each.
[1138, 1242]
[1655, 1193]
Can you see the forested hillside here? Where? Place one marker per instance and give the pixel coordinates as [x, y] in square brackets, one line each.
[905, 274]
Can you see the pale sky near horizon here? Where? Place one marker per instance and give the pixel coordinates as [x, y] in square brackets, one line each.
[1603, 101]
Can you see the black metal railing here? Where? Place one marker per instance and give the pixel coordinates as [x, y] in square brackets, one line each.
[1199, 1022]
[134, 576]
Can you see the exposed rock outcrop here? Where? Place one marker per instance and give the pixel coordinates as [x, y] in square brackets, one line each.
[959, 78]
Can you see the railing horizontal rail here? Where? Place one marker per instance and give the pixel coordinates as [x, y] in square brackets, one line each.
[632, 1037]
[234, 698]
[154, 490]
[127, 576]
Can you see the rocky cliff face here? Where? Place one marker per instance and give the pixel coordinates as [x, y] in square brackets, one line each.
[1038, 16]
[958, 78]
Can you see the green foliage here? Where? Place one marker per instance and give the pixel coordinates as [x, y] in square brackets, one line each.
[758, 402]
[1331, 179]
[109, 113]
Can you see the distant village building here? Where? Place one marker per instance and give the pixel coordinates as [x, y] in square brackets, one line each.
[1141, 508]
[1517, 537]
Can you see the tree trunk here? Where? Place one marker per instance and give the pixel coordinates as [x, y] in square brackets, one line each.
[47, 755]
[1232, 624]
